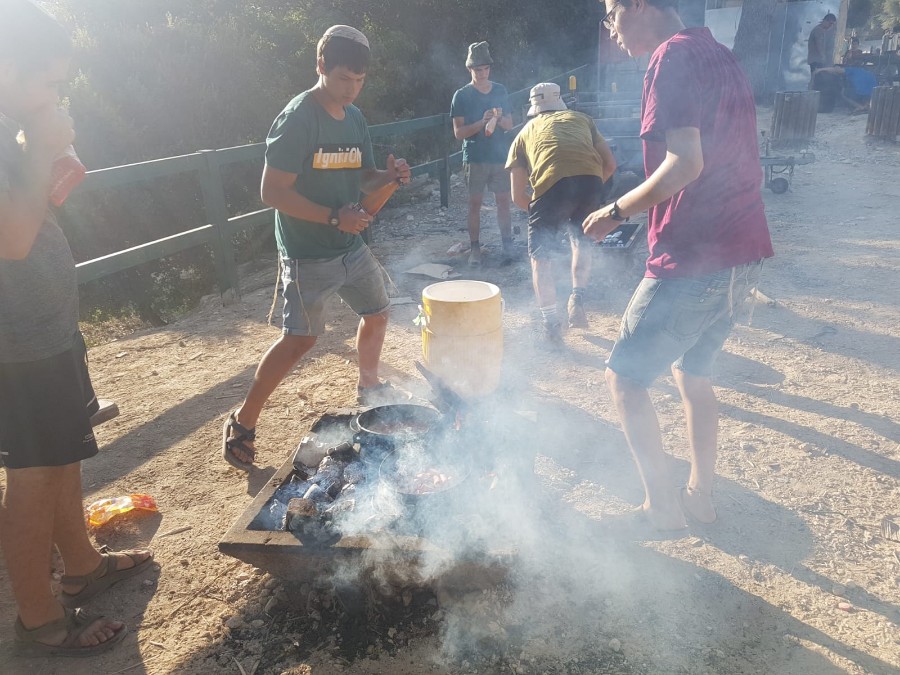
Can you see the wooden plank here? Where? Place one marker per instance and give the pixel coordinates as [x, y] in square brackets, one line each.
[138, 255]
[241, 153]
[248, 220]
[116, 176]
[405, 126]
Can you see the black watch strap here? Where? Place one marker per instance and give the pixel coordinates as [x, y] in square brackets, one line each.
[334, 218]
[616, 213]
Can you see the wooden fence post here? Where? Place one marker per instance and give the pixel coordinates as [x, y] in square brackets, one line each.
[446, 131]
[217, 215]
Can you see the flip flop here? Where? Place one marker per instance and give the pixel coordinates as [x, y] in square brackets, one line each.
[690, 514]
[103, 576]
[230, 443]
[75, 623]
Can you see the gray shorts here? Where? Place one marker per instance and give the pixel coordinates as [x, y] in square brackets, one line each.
[680, 322]
[491, 176]
[307, 285]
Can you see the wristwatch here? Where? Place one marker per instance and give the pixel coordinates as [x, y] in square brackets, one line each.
[615, 213]
[334, 218]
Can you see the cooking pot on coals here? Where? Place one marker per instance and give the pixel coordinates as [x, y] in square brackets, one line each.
[380, 430]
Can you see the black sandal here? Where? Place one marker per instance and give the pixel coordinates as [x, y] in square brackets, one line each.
[229, 443]
[75, 623]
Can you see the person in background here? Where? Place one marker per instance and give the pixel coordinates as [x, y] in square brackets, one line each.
[853, 84]
[853, 55]
[820, 48]
[562, 158]
[45, 390]
[481, 120]
[318, 159]
[707, 237]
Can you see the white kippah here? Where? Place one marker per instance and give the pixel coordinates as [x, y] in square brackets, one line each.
[347, 32]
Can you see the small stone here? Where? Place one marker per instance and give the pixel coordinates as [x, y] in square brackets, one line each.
[257, 623]
[438, 615]
[845, 607]
[748, 447]
[234, 622]
[391, 632]
[744, 558]
[839, 589]
[271, 605]
[720, 654]
[615, 645]
[271, 583]
[147, 583]
[850, 584]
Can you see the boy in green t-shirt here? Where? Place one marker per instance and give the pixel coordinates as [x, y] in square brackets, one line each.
[318, 160]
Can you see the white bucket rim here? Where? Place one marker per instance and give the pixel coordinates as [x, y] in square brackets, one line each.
[458, 287]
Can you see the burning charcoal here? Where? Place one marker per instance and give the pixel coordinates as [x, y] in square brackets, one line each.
[292, 490]
[348, 490]
[318, 495]
[298, 512]
[355, 473]
[329, 472]
[345, 452]
[342, 506]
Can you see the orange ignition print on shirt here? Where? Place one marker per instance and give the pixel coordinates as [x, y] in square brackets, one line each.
[330, 158]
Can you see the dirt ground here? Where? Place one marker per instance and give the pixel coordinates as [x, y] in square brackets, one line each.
[795, 577]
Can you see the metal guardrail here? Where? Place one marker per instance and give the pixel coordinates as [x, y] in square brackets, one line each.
[219, 229]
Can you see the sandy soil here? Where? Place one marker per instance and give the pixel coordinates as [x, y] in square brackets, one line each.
[809, 467]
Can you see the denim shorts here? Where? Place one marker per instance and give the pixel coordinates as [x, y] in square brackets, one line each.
[567, 203]
[479, 176]
[680, 322]
[307, 285]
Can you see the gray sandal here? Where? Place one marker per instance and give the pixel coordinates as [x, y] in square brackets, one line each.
[103, 576]
[75, 623]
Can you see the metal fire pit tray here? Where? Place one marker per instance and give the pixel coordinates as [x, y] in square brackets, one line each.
[282, 554]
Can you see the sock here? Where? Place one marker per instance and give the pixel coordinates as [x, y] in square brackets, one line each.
[475, 244]
[549, 314]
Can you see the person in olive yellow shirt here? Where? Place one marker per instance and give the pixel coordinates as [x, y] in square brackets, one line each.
[562, 158]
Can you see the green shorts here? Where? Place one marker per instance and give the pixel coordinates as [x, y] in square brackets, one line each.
[307, 285]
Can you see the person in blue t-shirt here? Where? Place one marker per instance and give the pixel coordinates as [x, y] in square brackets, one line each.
[852, 83]
[482, 120]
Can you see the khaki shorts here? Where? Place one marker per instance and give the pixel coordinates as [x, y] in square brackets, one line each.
[491, 176]
[307, 285]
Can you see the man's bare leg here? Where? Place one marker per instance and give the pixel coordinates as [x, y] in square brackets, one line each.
[642, 432]
[504, 218]
[26, 532]
[581, 265]
[701, 410]
[70, 532]
[474, 217]
[276, 363]
[543, 282]
[369, 341]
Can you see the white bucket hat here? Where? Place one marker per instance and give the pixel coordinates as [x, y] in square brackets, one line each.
[543, 97]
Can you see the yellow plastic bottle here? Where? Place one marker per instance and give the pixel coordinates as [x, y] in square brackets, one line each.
[103, 510]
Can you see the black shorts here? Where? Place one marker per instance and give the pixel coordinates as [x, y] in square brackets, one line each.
[568, 202]
[45, 410]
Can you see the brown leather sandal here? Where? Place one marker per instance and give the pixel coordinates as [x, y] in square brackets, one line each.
[75, 623]
[103, 576]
